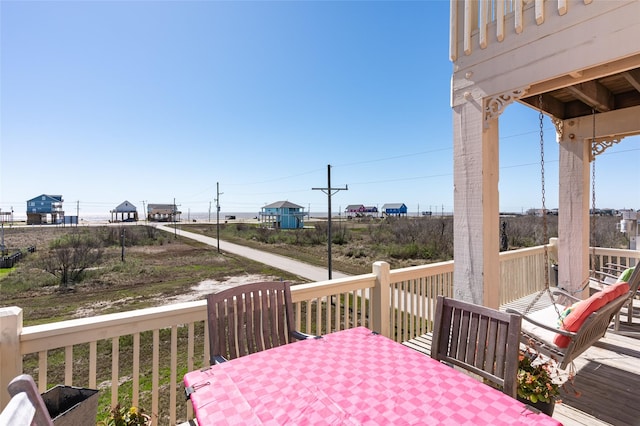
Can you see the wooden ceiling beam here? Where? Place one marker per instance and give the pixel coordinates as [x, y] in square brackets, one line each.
[593, 94]
[633, 77]
[550, 105]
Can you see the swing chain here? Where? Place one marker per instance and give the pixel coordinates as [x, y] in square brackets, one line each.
[593, 199]
[545, 231]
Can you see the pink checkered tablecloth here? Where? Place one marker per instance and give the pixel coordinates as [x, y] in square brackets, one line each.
[351, 377]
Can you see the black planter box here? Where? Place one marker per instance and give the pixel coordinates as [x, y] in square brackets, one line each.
[71, 406]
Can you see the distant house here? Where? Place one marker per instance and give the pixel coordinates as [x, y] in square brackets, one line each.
[283, 215]
[354, 210]
[45, 209]
[394, 209]
[360, 210]
[125, 208]
[163, 213]
[371, 210]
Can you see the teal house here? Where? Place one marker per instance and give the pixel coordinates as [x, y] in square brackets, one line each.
[282, 215]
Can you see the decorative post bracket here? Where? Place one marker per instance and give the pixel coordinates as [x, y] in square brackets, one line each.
[599, 145]
[494, 105]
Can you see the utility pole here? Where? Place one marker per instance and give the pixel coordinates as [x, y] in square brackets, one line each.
[329, 191]
[218, 193]
[77, 213]
[175, 223]
[122, 253]
[144, 209]
[209, 211]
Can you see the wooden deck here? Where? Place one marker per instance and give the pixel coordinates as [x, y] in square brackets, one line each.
[607, 378]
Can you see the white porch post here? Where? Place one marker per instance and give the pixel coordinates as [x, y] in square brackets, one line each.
[476, 210]
[381, 299]
[573, 215]
[10, 359]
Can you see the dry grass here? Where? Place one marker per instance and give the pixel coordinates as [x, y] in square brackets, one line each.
[163, 269]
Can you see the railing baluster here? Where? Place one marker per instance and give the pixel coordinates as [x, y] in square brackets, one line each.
[318, 305]
[135, 398]
[347, 306]
[562, 7]
[155, 377]
[500, 20]
[308, 315]
[483, 23]
[539, 11]
[42, 371]
[190, 357]
[93, 364]
[68, 365]
[174, 378]
[115, 370]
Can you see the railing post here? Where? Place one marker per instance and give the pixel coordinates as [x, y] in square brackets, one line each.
[553, 249]
[381, 299]
[10, 358]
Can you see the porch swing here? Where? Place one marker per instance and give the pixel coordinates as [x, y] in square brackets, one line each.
[565, 332]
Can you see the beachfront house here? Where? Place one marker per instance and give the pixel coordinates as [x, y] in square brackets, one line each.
[163, 213]
[360, 210]
[282, 215]
[370, 210]
[577, 62]
[394, 209]
[354, 210]
[45, 208]
[124, 209]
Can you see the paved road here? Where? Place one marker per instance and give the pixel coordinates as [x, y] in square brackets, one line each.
[310, 272]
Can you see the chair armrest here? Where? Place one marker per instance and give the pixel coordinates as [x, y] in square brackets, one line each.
[605, 275]
[303, 336]
[563, 293]
[569, 334]
[615, 267]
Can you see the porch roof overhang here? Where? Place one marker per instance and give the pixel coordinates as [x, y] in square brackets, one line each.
[587, 91]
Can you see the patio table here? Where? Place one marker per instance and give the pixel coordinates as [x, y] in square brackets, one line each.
[352, 377]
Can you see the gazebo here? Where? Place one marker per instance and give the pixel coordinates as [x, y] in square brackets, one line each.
[124, 208]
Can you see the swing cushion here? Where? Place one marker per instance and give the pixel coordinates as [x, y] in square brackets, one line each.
[580, 311]
[616, 290]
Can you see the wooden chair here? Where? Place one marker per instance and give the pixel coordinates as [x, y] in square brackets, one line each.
[26, 407]
[478, 339]
[250, 318]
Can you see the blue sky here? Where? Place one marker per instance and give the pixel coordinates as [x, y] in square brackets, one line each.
[151, 101]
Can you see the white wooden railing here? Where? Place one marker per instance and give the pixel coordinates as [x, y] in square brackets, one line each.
[602, 256]
[153, 348]
[477, 23]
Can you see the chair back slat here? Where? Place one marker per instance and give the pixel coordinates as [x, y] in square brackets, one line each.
[478, 339]
[486, 332]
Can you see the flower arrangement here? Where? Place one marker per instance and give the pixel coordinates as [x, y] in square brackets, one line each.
[122, 416]
[538, 377]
